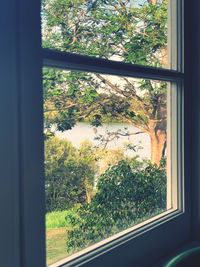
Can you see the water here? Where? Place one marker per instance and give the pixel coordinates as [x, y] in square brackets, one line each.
[83, 131]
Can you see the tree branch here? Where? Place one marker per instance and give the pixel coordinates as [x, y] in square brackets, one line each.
[111, 85]
[137, 98]
[110, 136]
[133, 123]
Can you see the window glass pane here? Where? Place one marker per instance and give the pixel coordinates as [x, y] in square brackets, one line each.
[132, 31]
[105, 156]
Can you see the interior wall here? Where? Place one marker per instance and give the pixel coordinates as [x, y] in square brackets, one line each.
[192, 109]
[22, 228]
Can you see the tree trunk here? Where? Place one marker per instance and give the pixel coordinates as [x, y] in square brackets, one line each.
[88, 195]
[158, 141]
[164, 60]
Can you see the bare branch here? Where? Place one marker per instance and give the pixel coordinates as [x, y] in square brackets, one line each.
[137, 98]
[111, 85]
[114, 135]
[143, 128]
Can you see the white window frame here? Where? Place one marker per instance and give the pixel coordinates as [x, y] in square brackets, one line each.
[21, 151]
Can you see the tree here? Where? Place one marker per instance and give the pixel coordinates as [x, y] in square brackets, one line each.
[89, 158]
[125, 197]
[66, 174]
[111, 29]
[70, 172]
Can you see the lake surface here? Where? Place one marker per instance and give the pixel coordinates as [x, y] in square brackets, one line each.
[83, 131]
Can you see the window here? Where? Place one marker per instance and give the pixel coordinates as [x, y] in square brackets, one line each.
[21, 143]
[60, 23]
[110, 30]
[97, 171]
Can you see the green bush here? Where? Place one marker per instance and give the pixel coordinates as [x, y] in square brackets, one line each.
[125, 196]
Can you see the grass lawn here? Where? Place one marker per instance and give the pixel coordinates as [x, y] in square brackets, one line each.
[55, 244]
[56, 219]
[56, 227]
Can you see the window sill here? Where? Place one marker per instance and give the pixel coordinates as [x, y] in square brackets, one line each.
[86, 255]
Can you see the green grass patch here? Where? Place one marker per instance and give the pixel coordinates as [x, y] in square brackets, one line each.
[56, 219]
[56, 248]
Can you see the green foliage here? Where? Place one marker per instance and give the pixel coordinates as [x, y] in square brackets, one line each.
[70, 172]
[135, 34]
[106, 28]
[126, 192]
[125, 196]
[123, 30]
[65, 175]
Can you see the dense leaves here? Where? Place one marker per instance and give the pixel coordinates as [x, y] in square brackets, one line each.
[125, 196]
[66, 173]
[128, 192]
[70, 172]
[124, 30]
[129, 31]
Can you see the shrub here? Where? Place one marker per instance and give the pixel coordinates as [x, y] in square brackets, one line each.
[124, 197]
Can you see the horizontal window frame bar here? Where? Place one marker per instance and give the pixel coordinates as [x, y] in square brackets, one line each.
[64, 60]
